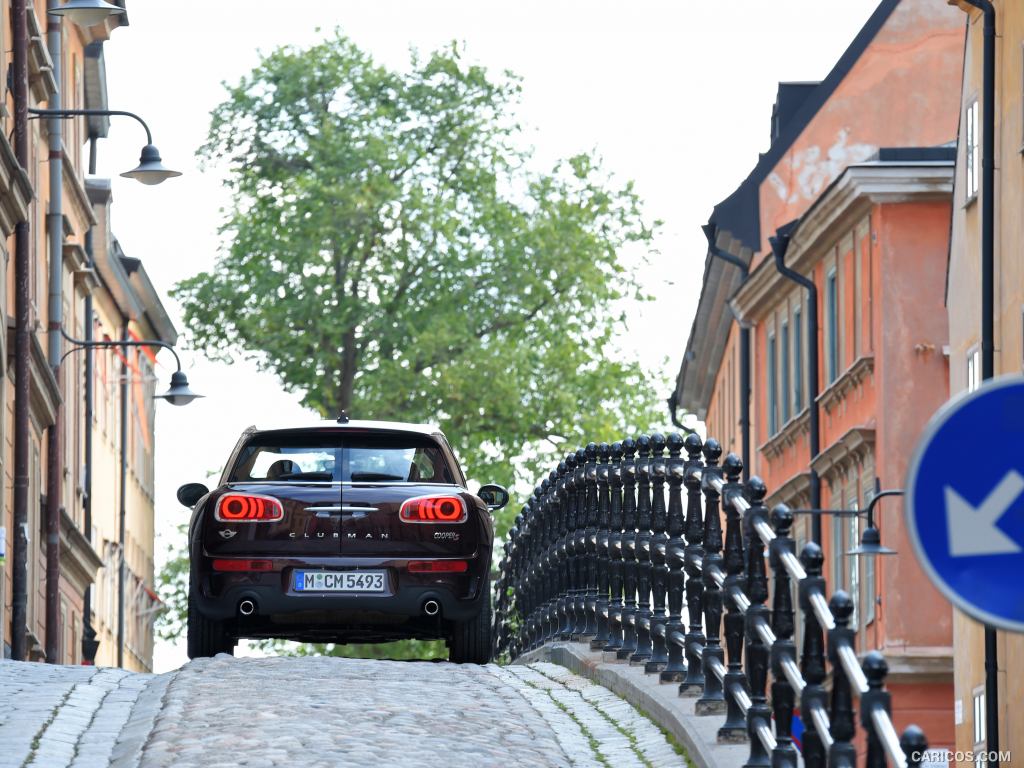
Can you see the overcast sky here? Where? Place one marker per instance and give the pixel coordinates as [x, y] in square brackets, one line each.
[675, 96]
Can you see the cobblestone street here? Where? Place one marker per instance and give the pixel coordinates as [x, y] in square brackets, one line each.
[225, 712]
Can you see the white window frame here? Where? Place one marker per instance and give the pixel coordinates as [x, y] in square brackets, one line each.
[973, 368]
[972, 151]
[832, 324]
[773, 385]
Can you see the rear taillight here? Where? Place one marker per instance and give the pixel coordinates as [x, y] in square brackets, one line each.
[242, 565]
[438, 566]
[433, 509]
[248, 508]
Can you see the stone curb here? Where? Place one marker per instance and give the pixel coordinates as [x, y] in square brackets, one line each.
[698, 735]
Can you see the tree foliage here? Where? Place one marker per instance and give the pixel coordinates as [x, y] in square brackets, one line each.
[390, 251]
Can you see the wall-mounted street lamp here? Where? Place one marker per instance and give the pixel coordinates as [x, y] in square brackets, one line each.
[870, 538]
[150, 169]
[179, 393]
[86, 13]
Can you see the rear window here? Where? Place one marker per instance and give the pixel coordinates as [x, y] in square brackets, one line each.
[344, 457]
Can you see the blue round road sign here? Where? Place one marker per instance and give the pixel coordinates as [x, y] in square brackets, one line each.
[965, 502]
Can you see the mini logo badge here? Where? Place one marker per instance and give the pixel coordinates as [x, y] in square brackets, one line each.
[227, 533]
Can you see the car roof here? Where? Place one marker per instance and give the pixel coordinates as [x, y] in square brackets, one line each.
[316, 424]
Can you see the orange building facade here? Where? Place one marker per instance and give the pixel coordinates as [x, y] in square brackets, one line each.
[861, 167]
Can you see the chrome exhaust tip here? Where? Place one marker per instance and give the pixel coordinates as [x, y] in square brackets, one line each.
[247, 607]
[431, 608]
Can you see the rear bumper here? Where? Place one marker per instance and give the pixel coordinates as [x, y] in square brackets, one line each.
[460, 595]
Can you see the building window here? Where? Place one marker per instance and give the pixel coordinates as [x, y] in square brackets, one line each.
[832, 325]
[979, 727]
[773, 394]
[784, 370]
[798, 361]
[973, 368]
[971, 150]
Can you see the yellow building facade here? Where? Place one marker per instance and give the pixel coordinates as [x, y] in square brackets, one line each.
[964, 309]
[123, 304]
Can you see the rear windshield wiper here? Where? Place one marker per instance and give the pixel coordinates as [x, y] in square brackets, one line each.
[306, 476]
[372, 476]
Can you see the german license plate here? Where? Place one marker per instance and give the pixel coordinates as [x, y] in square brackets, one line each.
[339, 581]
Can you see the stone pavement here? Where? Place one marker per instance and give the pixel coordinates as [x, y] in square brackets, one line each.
[311, 711]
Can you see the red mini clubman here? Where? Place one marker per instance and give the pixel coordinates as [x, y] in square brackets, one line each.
[344, 532]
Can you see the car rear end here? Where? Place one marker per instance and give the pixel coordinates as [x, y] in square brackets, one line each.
[342, 533]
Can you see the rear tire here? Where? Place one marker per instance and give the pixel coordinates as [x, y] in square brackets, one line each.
[205, 636]
[471, 640]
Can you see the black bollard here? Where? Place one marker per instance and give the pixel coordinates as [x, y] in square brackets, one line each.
[675, 559]
[565, 497]
[734, 729]
[693, 683]
[659, 544]
[812, 657]
[643, 552]
[712, 700]
[842, 753]
[877, 698]
[603, 539]
[615, 553]
[629, 538]
[783, 696]
[590, 542]
[579, 545]
[759, 716]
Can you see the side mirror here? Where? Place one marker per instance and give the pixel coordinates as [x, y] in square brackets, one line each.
[494, 496]
[190, 493]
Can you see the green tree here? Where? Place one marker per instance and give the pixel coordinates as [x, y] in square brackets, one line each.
[390, 252]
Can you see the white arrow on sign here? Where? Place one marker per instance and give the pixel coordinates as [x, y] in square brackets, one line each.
[973, 531]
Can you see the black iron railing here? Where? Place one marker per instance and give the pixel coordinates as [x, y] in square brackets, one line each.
[620, 541]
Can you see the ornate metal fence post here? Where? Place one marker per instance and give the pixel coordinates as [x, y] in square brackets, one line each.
[603, 539]
[675, 559]
[528, 586]
[566, 500]
[734, 729]
[812, 658]
[914, 745]
[643, 552]
[784, 649]
[590, 541]
[629, 539]
[551, 557]
[515, 558]
[842, 753]
[659, 542]
[579, 547]
[712, 701]
[759, 716]
[875, 670]
[615, 552]
[693, 683]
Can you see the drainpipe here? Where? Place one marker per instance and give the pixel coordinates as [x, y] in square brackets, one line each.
[22, 329]
[779, 244]
[89, 642]
[123, 497]
[673, 408]
[55, 236]
[988, 205]
[711, 233]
